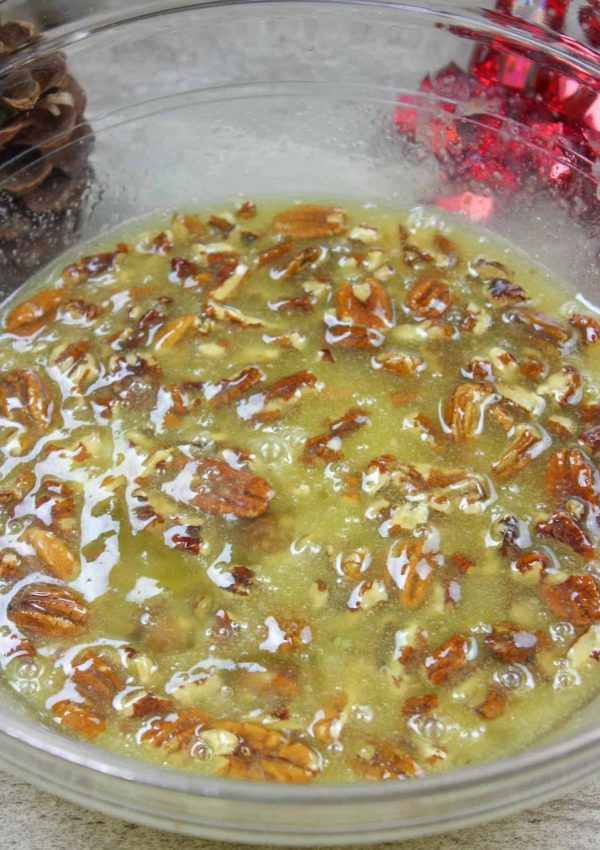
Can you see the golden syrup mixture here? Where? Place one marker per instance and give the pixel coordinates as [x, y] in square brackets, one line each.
[301, 494]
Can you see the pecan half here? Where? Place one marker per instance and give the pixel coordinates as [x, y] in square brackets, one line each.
[228, 390]
[447, 660]
[385, 762]
[327, 447]
[494, 704]
[217, 488]
[49, 610]
[569, 473]
[399, 363]
[522, 451]
[52, 552]
[365, 304]
[465, 409]
[310, 221]
[420, 705]
[510, 643]
[79, 718]
[588, 327]
[97, 681]
[176, 733]
[412, 568]
[353, 336]
[577, 600]
[563, 528]
[429, 298]
[547, 328]
[31, 315]
[267, 755]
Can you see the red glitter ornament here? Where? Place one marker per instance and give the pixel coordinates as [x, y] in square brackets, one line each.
[533, 120]
[589, 21]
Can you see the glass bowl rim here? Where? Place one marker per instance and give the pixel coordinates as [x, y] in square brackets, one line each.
[87, 756]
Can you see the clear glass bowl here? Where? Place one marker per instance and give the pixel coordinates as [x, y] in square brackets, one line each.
[195, 103]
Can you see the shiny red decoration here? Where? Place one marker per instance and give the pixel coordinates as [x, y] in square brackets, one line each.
[511, 119]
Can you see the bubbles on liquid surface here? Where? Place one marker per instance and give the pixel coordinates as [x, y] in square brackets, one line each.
[562, 632]
[566, 679]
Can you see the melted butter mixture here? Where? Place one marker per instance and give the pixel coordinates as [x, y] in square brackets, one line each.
[301, 494]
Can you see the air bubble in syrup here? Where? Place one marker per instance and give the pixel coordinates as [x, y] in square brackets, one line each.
[562, 632]
[511, 678]
[566, 679]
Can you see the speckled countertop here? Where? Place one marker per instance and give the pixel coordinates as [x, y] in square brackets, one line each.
[32, 820]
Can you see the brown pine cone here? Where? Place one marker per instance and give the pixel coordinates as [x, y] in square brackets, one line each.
[44, 149]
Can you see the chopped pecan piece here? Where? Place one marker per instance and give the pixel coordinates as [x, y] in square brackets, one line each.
[23, 399]
[243, 579]
[52, 552]
[385, 762]
[274, 253]
[411, 567]
[267, 755]
[49, 610]
[228, 390]
[308, 256]
[577, 600]
[328, 446]
[591, 439]
[303, 303]
[218, 489]
[566, 386]
[465, 409]
[547, 328]
[420, 705]
[353, 336]
[282, 684]
[588, 327]
[399, 363]
[505, 290]
[91, 266]
[495, 703]
[510, 643]
[563, 528]
[176, 733]
[365, 304]
[447, 660]
[271, 403]
[31, 315]
[310, 221]
[534, 560]
[569, 473]
[175, 330]
[462, 562]
[185, 537]
[150, 704]
[329, 722]
[528, 445]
